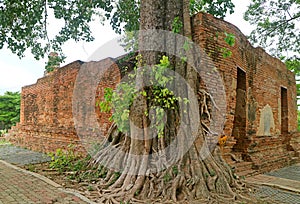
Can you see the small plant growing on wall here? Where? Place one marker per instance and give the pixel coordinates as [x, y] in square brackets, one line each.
[54, 61]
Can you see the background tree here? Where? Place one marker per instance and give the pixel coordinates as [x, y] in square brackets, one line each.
[25, 24]
[9, 109]
[127, 15]
[294, 66]
[276, 26]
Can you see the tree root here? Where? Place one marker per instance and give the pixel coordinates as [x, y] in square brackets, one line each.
[207, 180]
[191, 178]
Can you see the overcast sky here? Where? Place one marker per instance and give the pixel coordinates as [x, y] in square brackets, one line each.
[15, 72]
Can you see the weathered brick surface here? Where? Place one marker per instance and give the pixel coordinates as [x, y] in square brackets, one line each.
[261, 112]
[47, 121]
[262, 140]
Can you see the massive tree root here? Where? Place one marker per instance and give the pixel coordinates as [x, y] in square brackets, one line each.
[133, 174]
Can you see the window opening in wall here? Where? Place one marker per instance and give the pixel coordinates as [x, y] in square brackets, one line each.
[284, 111]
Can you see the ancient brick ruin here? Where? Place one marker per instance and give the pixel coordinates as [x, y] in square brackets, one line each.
[261, 100]
[261, 118]
[46, 119]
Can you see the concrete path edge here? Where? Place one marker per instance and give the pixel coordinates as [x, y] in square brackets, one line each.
[275, 182]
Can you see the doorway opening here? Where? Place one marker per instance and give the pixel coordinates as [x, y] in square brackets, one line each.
[239, 123]
[284, 111]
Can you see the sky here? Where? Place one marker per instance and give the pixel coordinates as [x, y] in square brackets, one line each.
[16, 73]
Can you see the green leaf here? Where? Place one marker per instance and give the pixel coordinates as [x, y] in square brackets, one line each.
[230, 39]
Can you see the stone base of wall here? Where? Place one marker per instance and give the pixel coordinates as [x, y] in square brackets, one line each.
[45, 139]
[264, 154]
[295, 143]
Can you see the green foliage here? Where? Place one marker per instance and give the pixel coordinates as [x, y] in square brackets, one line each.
[9, 109]
[65, 160]
[2, 132]
[4, 142]
[230, 40]
[167, 177]
[105, 106]
[25, 24]
[126, 16]
[53, 62]
[177, 25]
[77, 168]
[175, 170]
[129, 42]
[294, 66]
[116, 176]
[212, 173]
[276, 25]
[137, 193]
[226, 52]
[158, 96]
[90, 188]
[215, 7]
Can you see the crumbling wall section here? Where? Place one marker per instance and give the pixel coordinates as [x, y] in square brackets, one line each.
[46, 119]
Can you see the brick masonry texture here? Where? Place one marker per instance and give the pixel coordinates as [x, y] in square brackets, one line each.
[261, 117]
[261, 113]
[46, 122]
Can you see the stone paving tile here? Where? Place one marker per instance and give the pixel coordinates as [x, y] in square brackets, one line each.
[282, 186]
[21, 156]
[290, 172]
[17, 186]
[277, 195]
[272, 181]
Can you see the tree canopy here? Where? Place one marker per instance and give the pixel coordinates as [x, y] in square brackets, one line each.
[276, 26]
[294, 66]
[25, 24]
[9, 109]
[277, 29]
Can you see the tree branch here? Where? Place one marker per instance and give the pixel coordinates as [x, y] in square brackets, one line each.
[282, 23]
[45, 22]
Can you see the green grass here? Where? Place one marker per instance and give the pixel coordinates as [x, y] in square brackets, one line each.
[4, 142]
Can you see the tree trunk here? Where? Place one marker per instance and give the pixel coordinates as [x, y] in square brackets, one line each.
[190, 177]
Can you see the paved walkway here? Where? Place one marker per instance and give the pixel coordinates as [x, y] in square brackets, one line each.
[282, 185]
[18, 186]
[21, 156]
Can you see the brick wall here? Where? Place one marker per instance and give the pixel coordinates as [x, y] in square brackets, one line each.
[46, 120]
[262, 140]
